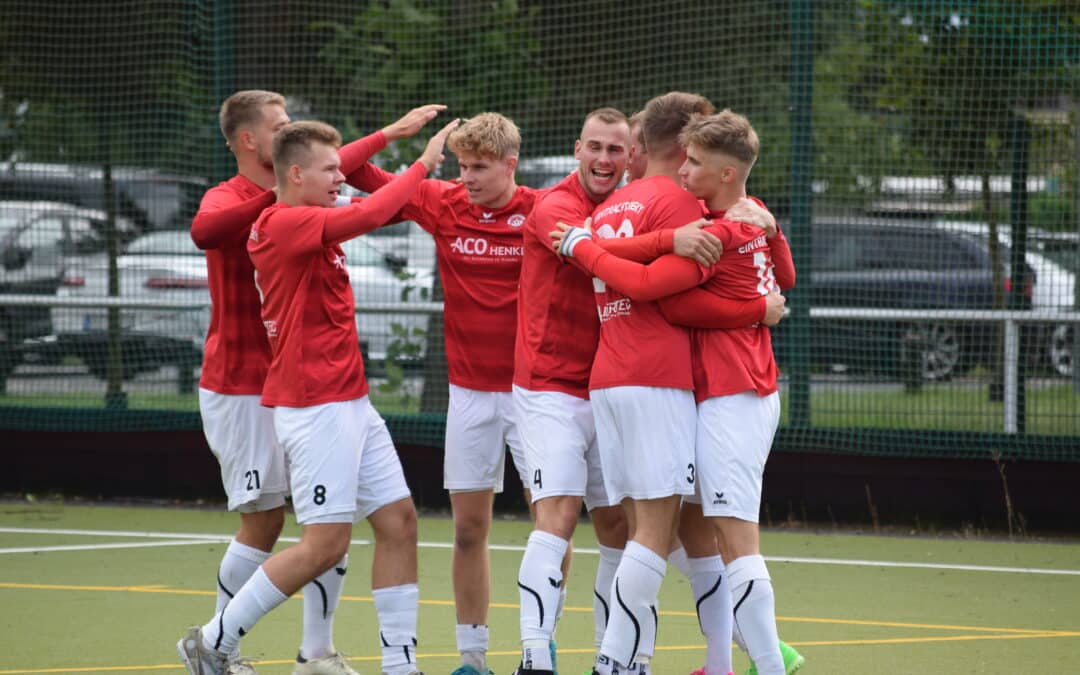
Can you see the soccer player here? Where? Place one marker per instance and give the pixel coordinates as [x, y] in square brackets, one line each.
[236, 357]
[341, 459]
[557, 335]
[734, 379]
[477, 225]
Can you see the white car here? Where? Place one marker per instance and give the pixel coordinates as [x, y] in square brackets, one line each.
[1049, 254]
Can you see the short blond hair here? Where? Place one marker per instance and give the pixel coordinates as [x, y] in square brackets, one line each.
[663, 119]
[725, 132]
[245, 108]
[489, 135]
[292, 144]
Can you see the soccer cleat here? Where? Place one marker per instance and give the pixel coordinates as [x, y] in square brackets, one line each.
[198, 659]
[793, 660]
[466, 669]
[238, 666]
[335, 664]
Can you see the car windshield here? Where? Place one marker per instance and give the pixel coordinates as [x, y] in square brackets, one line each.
[359, 252]
[172, 242]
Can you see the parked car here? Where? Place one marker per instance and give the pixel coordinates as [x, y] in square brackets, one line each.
[42, 245]
[1053, 257]
[150, 198]
[167, 266]
[545, 171]
[898, 264]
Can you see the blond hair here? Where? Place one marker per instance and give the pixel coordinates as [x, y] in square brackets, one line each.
[725, 132]
[244, 108]
[663, 119]
[292, 144]
[489, 135]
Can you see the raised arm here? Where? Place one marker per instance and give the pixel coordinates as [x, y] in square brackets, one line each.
[373, 212]
[218, 224]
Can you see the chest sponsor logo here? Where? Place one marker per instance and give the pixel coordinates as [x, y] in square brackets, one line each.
[480, 247]
[614, 309]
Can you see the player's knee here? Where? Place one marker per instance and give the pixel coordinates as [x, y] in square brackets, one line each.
[612, 528]
[395, 524]
[471, 530]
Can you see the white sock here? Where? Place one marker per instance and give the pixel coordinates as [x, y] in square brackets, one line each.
[713, 600]
[252, 602]
[396, 607]
[679, 560]
[540, 583]
[605, 575]
[321, 598]
[472, 643]
[632, 627]
[755, 616]
[237, 565]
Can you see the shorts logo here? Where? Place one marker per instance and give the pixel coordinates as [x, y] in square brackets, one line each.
[516, 220]
[719, 500]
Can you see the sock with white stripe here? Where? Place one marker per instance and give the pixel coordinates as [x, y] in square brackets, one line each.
[632, 627]
[252, 602]
[397, 608]
[237, 565]
[712, 598]
[540, 584]
[321, 598]
[754, 612]
[605, 575]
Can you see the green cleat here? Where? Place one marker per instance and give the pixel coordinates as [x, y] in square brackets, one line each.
[793, 660]
[469, 670]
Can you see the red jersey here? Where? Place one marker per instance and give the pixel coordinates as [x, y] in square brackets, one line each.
[638, 347]
[307, 310]
[479, 252]
[236, 355]
[737, 360]
[557, 328]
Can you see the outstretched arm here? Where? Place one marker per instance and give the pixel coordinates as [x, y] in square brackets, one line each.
[699, 308]
[662, 277]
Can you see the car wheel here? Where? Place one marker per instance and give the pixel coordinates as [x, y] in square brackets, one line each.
[1059, 350]
[940, 351]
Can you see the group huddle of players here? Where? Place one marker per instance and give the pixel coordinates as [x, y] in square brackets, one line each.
[614, 338]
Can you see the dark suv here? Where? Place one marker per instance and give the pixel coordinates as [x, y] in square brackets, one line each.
[899, 264]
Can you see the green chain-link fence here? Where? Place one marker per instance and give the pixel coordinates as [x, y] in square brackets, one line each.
[922, 156]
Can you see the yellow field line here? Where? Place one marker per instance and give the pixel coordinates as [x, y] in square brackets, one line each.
[588, 650]
[505, 605]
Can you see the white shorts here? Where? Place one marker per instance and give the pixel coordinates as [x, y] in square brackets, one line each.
[559, 437]
[646, 438]
[734, 436]
[240, 433]
[342, 463]
[479, 426]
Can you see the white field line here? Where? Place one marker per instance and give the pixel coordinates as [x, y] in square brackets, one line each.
[181, 538]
